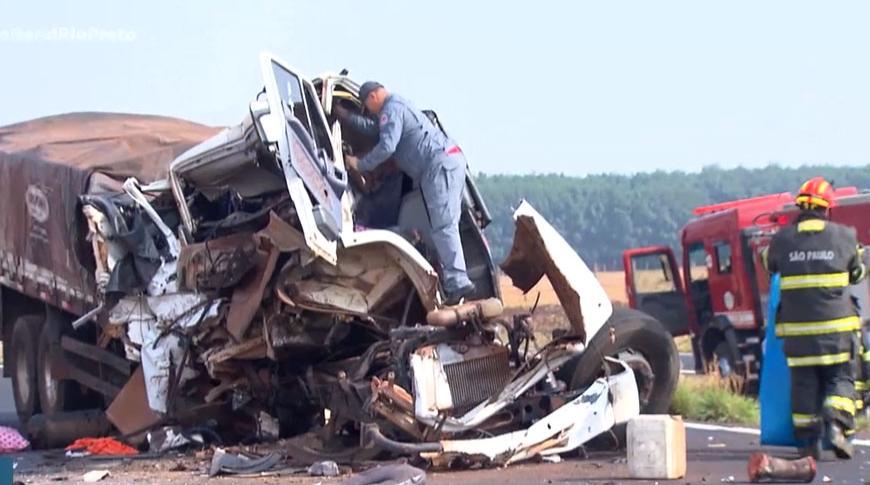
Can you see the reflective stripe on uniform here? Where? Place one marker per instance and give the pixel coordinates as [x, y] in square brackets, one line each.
[841, 403]
[858, 274]
[811, 225]
[827, 280]
[865, 356]
[861, 386]
[803, 420]
[797, 329]
[829, 359]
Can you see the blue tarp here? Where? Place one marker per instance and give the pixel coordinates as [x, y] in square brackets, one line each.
[775, 394]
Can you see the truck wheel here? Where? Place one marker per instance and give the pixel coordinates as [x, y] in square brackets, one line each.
[646, 346]
[642, 342]
[25, 335]
[53, 392]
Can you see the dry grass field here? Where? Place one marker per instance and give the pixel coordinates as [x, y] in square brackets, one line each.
[549, 315]
[613, 282]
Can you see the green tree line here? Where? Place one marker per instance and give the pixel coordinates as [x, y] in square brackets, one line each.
[602, 215]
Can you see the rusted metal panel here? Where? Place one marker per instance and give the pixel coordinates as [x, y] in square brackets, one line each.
[282, 235]
[248, 296]
[217, 263]
[129, 412]
[325, 297]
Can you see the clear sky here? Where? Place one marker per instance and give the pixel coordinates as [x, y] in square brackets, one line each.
[536, 86]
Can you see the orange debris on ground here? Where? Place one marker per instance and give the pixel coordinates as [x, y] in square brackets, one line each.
[102, 446]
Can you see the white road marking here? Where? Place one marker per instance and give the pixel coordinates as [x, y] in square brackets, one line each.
[749, 431]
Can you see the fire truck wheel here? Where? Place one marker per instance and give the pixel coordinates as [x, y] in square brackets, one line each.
[720, 349]
[25, 334]
[645, 345]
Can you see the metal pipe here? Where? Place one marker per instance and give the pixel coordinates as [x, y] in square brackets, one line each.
[86, 317]
[371, 433]
[63, 428]
[449, 316]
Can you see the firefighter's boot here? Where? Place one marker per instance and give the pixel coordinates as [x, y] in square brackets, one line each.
[812, 447]
[842, 448]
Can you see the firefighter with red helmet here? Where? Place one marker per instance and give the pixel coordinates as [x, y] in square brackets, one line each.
[818, 260]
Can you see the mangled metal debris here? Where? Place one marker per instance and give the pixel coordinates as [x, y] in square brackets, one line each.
[250, 312]
[239, 464]
[260, 298]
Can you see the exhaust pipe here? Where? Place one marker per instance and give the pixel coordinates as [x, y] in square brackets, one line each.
[371, 435]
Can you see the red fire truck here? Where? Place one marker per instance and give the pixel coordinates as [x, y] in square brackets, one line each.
[719, 293]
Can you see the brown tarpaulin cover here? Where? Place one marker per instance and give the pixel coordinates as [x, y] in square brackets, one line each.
[118, 144]
[46, 163]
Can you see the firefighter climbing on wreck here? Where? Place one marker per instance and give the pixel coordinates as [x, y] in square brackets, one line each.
[818, 260]
[431, 159]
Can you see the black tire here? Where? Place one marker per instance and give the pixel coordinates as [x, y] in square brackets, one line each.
[645, 344]
[54, 394]
[25, 335]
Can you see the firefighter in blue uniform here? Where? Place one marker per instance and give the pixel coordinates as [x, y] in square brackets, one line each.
[431, 159]
[818, 260]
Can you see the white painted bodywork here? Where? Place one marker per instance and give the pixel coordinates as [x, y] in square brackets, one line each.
[565, 429]
[595, 306]
[147, 320]
[419, 271]
[426, 390]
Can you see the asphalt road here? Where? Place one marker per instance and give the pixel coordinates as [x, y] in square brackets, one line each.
[714, 456]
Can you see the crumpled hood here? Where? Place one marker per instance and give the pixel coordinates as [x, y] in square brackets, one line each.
[539, 250]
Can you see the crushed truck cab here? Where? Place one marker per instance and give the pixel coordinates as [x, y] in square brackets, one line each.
[259, 283]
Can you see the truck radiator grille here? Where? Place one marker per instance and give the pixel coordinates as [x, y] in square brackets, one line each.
[472, 381]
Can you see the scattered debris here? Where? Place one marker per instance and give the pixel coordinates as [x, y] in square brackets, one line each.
[101, 446]
[95, 475]
[268, 427]
[763, 467]
[11, 440]
[388, 475]
[238, 464]
[717, 445]
[324, 469]
[173, 438]
[826, 479]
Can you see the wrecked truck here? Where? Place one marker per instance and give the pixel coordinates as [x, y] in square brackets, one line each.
[157, 272]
